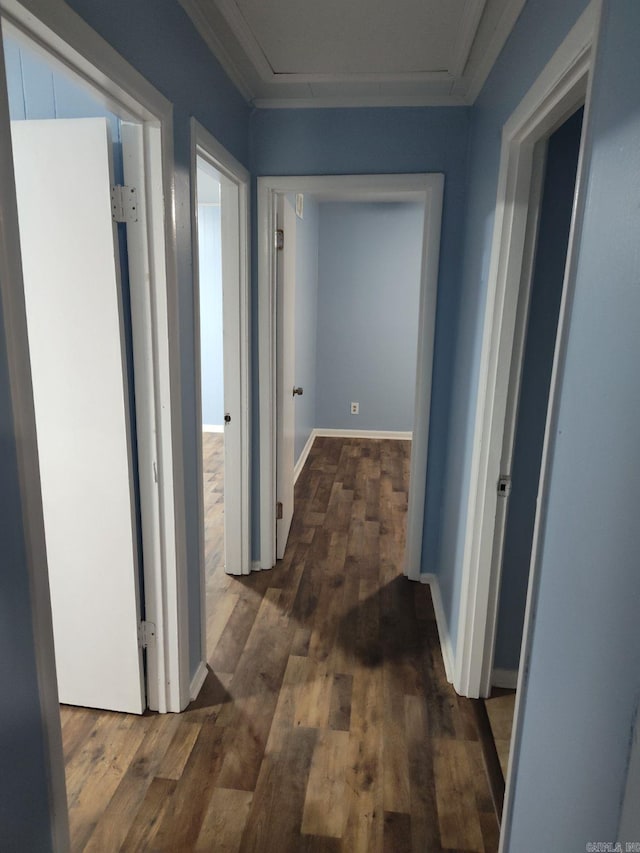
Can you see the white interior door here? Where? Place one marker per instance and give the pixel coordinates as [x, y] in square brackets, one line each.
[74, 319]
[285, 313]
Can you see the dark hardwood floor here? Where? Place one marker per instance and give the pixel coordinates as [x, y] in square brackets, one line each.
[326, 722]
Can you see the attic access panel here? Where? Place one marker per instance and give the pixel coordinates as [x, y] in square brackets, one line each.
[308, 37]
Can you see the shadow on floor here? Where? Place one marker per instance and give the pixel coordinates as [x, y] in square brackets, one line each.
[212, 693]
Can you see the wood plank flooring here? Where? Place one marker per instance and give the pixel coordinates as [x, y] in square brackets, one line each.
[325, 723]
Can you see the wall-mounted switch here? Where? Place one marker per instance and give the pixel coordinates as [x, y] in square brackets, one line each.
[355, 408]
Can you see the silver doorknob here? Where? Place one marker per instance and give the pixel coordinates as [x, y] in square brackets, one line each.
[298, 391]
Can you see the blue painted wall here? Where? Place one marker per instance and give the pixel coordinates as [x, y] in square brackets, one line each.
[539, 30]
[368, 299]
[211, 351]
[546, 292]
[306, 313]
[584, 669]
[159, 40]
[377, 141]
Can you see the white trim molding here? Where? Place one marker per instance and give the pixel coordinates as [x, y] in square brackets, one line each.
[306, 450]
[557, 92]
[427, 188]
[446, 646]
[393, 435]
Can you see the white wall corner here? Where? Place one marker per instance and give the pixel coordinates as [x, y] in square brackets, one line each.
[198, 680]
[446, 646]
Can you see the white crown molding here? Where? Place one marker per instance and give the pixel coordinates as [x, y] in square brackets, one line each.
[490, 53]
[342, 101]
[466, 37]
[246, 38]
[217, 46]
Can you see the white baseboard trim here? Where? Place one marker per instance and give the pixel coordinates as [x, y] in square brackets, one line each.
[212, 427]
[363, 433]
[297, 468]
[198, 680]
[441, 622]
[505, 678]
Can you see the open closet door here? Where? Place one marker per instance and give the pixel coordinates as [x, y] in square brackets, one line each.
[74, 318]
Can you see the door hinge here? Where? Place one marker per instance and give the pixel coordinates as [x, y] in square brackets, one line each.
[279, 239]
[279, 511]
[146, 634]
[504, 486]
[124, 204]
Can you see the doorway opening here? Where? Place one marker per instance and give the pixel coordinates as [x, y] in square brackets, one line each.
[550, 215]
[75, 267]
[276, 466]
[91, 336]
[559, 92]
[221, 298]
[348, 291]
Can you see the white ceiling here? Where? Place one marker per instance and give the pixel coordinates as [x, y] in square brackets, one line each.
[356, 52]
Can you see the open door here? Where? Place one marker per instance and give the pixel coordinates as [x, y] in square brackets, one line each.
[285, 374]
[230, 252]
[74, 318]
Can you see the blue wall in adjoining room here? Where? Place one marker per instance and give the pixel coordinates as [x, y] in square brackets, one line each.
[581, 694]
[540, 29]
[37, 91]
[306, 309]
[368, 300]
[159, 40]
[210, 283]
[378, 141]
[544, 306]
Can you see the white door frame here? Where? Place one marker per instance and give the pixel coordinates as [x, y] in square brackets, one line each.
[65, 38]
[205, 146]
[557, 92]
[427, 188]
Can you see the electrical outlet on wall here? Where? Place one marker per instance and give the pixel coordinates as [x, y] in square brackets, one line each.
[355, 408]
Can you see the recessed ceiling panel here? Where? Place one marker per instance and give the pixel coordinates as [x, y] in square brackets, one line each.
[348, 53]
[329, 37]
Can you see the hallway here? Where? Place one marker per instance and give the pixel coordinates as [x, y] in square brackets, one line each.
[326, 722]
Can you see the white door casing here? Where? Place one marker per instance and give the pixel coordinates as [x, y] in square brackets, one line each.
[73, 45]
[234, 189]
[74, 318]
[557, 92]
[425, 188]
[285, 373]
